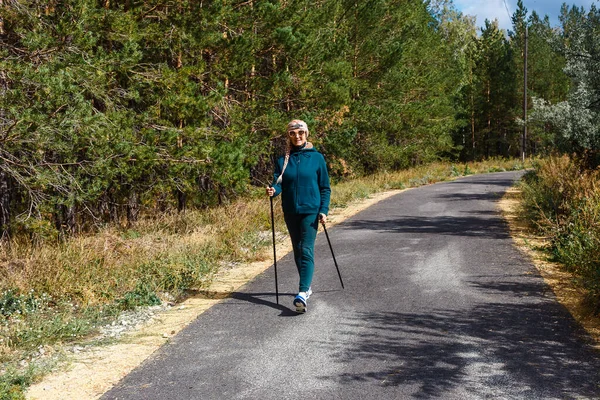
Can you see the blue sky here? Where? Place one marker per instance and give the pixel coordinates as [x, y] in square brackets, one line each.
[492, 9]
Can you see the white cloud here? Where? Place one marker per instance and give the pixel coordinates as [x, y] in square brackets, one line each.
[487, 9]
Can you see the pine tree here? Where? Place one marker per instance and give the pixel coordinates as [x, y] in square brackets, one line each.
[495, 129]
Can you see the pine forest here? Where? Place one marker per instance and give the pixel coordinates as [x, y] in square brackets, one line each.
[109, 109]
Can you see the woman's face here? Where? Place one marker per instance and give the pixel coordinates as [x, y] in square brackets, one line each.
[297, 137]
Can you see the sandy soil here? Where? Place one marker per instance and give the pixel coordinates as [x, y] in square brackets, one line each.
[88, 375]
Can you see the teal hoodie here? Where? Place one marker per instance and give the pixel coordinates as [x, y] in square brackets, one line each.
[305, 185]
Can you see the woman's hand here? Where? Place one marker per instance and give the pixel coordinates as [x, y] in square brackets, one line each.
[322, 218]
[270, 191]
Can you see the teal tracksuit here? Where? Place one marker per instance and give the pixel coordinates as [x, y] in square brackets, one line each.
[305, 193]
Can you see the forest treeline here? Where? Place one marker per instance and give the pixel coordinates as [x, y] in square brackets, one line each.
[112, 108]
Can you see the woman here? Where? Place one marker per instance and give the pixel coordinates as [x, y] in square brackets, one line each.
[302, 179]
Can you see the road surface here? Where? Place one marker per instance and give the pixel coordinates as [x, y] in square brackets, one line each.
[439, 304]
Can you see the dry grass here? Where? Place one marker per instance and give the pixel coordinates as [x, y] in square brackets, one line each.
[99, 268]
[562, 199]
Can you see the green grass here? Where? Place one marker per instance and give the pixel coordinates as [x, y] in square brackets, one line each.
[13, 381]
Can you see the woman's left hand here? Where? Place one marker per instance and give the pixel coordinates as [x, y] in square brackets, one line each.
[322, 218]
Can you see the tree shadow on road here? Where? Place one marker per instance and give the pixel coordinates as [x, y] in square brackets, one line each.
[526, 349]
[493, 227]
[488, 196]
[484, 180]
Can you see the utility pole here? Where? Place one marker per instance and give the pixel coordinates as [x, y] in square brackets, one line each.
[525, 94]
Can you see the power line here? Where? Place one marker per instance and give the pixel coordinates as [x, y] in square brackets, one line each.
[508, 12]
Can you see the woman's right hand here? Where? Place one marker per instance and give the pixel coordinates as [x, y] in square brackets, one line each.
[270, 191]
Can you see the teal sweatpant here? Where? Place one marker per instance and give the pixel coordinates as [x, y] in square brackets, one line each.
[303, 232]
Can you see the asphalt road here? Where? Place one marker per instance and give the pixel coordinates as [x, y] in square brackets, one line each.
[438, 304]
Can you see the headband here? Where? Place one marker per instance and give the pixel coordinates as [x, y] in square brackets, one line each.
[297, 124]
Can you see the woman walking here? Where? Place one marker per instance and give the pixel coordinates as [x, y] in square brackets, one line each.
[302, 179]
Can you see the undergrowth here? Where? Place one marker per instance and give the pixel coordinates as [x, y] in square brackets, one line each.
[562, 199]
[62, 293]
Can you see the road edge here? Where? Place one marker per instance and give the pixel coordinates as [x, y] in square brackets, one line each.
[560, 281]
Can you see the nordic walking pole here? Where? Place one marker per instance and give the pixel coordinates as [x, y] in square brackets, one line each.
[333, 255]
[274, 251]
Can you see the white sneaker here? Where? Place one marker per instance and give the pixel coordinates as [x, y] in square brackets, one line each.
[301, 301]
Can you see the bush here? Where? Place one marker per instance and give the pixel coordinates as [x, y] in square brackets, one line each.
[14, 303]
[141, 296]
[562, 198]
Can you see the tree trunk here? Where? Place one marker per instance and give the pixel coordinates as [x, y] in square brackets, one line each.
[133, 208]
[181, 200]
[489, 123]
[180, 135]
[179, 60]
[4, 206]
[113, 210]
[250, 90]
[70, 221]
[64, 220]
[473, 128]
[355, 55]
[1, 19]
